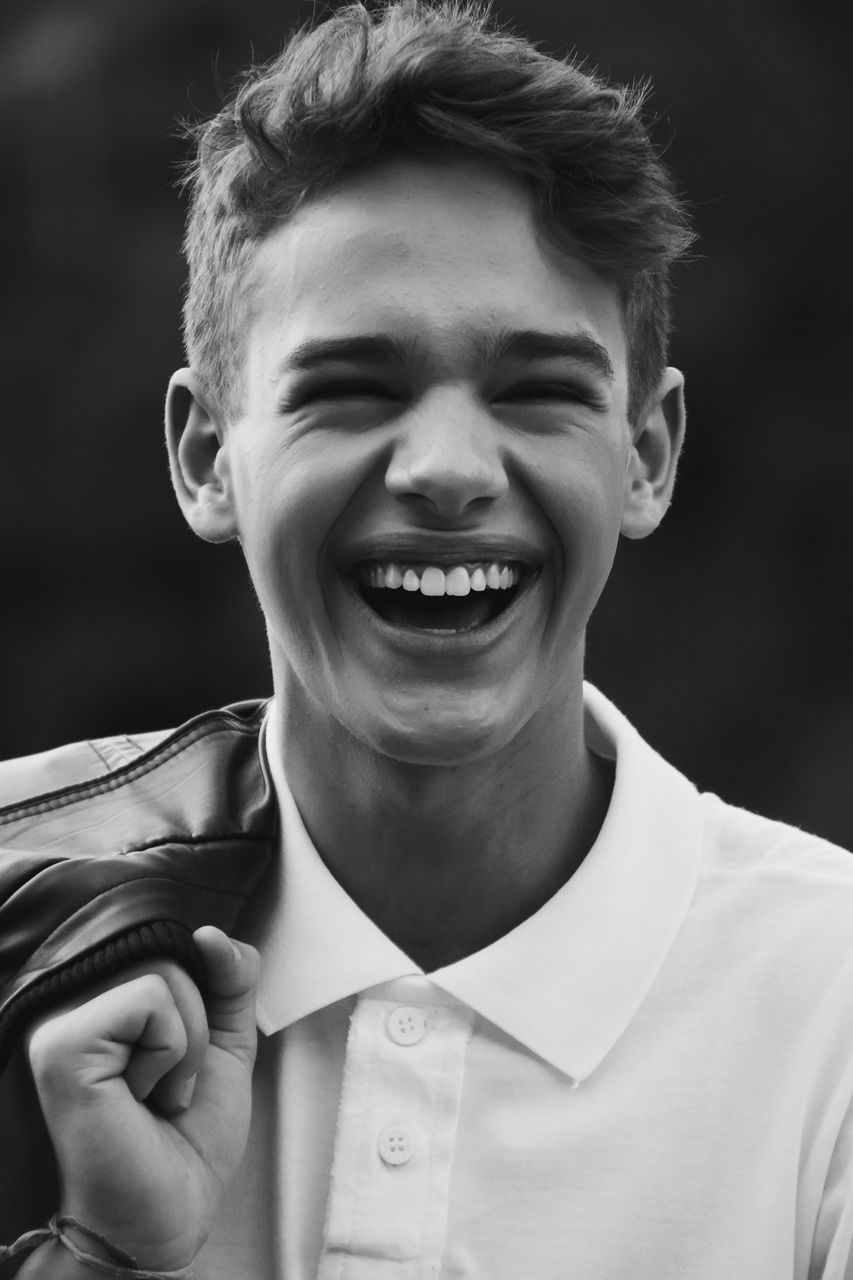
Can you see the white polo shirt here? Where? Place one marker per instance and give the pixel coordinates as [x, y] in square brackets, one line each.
[651, 1077]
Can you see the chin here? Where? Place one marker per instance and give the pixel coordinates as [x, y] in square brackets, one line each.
[443, 737]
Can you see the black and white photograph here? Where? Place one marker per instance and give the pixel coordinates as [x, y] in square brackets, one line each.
[426, 827]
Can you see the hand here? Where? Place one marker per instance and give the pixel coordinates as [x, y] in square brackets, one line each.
[113, 1077]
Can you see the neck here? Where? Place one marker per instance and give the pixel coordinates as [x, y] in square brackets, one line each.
[446, 859]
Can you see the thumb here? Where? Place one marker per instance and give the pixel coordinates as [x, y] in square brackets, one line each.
[233, 970]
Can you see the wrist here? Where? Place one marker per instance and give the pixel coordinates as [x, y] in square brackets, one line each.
[90, 1244]
[107, 1242]
[68, 1249]
[52, 1262]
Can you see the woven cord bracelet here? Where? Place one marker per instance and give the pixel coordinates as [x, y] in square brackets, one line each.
[125, 1264]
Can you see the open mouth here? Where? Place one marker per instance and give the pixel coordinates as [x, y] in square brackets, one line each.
[447, 598]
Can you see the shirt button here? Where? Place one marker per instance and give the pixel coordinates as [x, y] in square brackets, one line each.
[396, 1145]
[407, 1025]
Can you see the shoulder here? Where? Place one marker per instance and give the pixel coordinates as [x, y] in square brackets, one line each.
[771, 889]
[76, 764]
[739, 842]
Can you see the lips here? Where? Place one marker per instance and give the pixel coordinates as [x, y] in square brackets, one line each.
[439, 596]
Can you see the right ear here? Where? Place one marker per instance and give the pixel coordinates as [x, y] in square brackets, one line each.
[198, 461]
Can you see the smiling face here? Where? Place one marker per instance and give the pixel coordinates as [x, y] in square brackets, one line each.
[433, 460]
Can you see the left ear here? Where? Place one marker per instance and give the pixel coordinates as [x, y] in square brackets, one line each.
[650, 477]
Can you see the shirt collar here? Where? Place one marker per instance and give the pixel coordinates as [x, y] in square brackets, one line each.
[567, 981]
[317, 946]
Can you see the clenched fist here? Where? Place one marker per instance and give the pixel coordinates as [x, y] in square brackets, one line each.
[146, 1092]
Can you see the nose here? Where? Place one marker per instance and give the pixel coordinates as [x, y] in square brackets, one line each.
[447, 456]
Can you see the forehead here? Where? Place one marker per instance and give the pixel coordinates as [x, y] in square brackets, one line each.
[441, 254]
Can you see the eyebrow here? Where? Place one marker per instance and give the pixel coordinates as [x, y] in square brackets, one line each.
[369, 348]
[535, 344]
[508, 344]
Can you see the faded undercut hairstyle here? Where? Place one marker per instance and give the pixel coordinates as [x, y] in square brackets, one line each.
[418, 78]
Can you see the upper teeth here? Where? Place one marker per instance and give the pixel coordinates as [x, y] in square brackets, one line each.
[434, 581]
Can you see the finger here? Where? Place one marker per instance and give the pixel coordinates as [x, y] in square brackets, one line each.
[173, 1093]
[233, 969]
[163, 1043]
[134, 1031]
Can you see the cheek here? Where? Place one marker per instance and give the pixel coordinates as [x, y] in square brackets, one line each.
[289, 500]
[584, 507]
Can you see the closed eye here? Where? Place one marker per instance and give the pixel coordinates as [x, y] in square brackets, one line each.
[349, 389]
[554, 392]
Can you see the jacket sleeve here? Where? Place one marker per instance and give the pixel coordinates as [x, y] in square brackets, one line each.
[130, 846]
[103, 872]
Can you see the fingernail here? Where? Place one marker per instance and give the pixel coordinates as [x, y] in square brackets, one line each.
[185, 1096]
[238, 955]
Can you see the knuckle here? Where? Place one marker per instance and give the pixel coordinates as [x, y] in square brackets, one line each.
[49, 1046]
[151, 986]
[41, 1046]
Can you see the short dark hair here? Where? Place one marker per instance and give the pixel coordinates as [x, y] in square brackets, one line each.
[418, 78]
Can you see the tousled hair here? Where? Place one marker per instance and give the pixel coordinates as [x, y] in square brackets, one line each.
[419, 77]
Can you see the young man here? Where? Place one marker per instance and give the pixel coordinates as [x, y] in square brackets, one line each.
[529, 1004]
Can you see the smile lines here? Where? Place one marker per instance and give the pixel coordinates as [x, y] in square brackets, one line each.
[430, 580]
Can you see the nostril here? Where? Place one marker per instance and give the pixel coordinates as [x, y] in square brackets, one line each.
[449, 481]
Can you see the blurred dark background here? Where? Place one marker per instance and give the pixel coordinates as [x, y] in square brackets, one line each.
[726, 637]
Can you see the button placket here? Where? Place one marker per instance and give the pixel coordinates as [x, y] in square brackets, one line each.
[405, 1026]
[395, 1136]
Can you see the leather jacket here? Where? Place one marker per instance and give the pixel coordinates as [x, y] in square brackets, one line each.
[110, 852]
